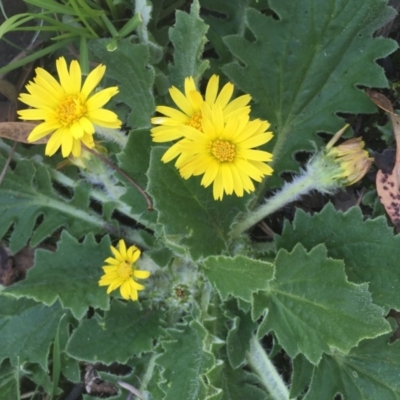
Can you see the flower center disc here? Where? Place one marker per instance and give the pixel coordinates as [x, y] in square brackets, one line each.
[70, 110]
[124, 270]
[195, 121]
[223, 150]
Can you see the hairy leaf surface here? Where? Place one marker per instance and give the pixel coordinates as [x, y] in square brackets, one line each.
[312, 308]
[302, 66]
[370, 250]
[27, 329]
[30, 204]
[69, 274]
[238, 276]
[192, 220]
[369, 371]
[184, 362]
[126, 330]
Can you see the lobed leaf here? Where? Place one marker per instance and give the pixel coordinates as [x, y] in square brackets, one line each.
[192, 220]
[369, 249]
[302, 64]
[236, 384]
[27, 329]
[369, 371]
[238, 276]
[312, 308]
[127, 329]
[70, 274]
[128, 65]
[184, 362]
[188, 39]
[30, 204]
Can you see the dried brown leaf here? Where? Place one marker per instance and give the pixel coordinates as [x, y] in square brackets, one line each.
[388, 184]
[380, 100]
[19, 131]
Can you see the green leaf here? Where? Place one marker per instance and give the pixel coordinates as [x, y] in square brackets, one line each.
[192, 220]
[238, 276]
[70, 274]
[128, 65]
[9, 377]
[370, 371]
[184, 362]
[27, 329]
[127, 329]
[301, 65]
[369, 249]
[238, 338]
[188, 39]
[312, 308]
[225, 17]
[27, 194]
[236, 384]
[301, 377]
[39, 377]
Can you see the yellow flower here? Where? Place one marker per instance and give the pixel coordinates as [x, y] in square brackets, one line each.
[190, 108]
[353, 161]
[68, 109]
[224, 152]
[122, 271]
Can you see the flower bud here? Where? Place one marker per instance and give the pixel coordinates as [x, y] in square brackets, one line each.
[353, 161]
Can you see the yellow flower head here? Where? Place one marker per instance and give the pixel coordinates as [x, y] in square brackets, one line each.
[353, 161]
[121, 272]
[223, 152]
[190, 108]
[67, 108]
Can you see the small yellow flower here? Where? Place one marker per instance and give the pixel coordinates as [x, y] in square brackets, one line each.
[223, 152]
[68, 109]
[190, 108]
[353, 161]
[121, 272]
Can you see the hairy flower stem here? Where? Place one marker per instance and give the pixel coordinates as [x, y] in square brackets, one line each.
[125, 175]
[261, 364]
[290, 192]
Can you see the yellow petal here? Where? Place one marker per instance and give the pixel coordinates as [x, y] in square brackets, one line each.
[100, 98]
[225, 95]
[54, 142]
[122, 248]
[181, 101]
[141, 274]
[75, 77]
[93, 80]
[67, 144]
[212, 90]
[63, 74]
[42, 130]
[103, 117]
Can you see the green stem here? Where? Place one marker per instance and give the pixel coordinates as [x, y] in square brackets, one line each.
[290, 192]
[261, 364]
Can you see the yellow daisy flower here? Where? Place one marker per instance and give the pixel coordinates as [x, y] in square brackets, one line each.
[68, 109]
[121, 272]
[190, 108]
[224, 152]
